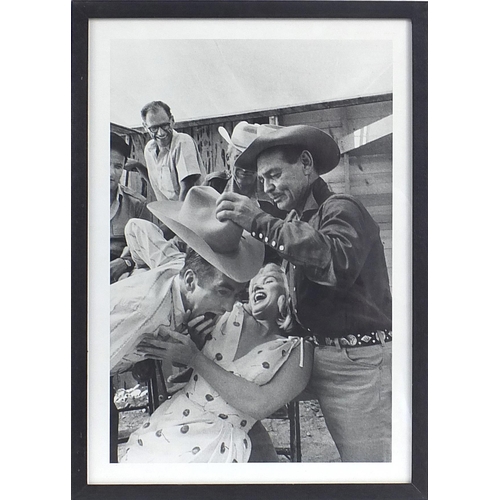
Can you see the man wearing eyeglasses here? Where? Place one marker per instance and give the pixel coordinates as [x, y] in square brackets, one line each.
[172, 159]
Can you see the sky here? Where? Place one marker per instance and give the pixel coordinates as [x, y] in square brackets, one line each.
[204, 78]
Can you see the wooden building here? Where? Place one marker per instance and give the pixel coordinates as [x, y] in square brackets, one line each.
[362, 127]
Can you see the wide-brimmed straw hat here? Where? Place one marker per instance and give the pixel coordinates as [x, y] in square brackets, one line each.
[225, 245]
[322, 146]
[245, 133]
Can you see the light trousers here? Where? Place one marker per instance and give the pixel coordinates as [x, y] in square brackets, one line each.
[354, 388]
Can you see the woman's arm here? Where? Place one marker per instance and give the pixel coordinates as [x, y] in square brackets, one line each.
[258, 401]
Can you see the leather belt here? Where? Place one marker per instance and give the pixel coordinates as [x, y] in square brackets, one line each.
[355, 340]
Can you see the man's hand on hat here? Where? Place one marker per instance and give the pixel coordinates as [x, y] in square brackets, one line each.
[237, 208]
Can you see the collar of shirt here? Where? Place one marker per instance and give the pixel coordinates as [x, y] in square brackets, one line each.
[318, 193]
[116, 203]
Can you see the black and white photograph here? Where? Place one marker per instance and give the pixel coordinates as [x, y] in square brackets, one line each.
[226, 78]
[258, 297]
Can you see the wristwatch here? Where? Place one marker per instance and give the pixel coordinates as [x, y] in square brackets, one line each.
[128, 263]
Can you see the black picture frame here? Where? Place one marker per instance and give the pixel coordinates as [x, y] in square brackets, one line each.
[82, 12]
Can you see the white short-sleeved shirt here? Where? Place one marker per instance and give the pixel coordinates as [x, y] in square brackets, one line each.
[167, 167]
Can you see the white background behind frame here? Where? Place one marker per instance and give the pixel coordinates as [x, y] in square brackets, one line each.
[456, 470]
[101, 32]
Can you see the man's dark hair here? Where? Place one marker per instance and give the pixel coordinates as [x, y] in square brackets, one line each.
[153, 106]
[203, 269]
[118, 144]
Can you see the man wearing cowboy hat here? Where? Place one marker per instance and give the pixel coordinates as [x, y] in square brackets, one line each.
[339, 284]
[148, 246]
[221, 258]
[240, 180]
[237, 179]
[186, 287]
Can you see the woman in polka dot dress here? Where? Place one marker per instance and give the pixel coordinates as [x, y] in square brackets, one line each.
[246, 371]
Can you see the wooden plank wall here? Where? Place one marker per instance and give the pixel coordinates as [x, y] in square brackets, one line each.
[211, 145]
[370, 173]
[365, 173]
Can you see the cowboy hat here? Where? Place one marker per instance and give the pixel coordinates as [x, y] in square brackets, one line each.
[245, 133]
[225, 245]
[324, 149]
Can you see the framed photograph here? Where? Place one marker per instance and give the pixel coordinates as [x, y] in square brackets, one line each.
[355, 70]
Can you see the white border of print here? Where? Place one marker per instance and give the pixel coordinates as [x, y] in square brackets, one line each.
[100, 471]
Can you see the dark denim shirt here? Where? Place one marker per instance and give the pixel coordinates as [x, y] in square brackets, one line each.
[335, 264]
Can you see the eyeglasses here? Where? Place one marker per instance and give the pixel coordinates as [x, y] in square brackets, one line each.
[166, 127]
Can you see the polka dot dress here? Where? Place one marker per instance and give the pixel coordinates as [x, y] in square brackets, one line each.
[197, 425]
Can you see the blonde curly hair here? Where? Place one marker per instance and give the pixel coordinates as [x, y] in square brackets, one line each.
[285, 319]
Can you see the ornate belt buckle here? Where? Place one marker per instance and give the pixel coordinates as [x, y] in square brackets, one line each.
[349, 341]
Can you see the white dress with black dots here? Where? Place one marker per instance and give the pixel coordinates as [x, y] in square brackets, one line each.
[197, 425]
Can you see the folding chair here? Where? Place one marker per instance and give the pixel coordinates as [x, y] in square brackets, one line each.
[291, 413]
[157, 393]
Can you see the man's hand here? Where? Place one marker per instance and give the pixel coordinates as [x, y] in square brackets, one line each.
[153, 347]
[177, 349]
[184, 350]
[237, 208]
[199, 328]
[163, 343]
[116, 269]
